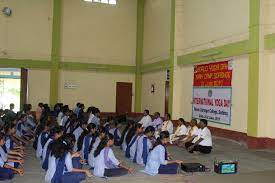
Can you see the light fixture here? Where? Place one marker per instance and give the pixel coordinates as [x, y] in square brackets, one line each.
[152, 88]
[7, 11]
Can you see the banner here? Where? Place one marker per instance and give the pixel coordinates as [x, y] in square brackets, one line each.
[212, 92]
[213, 104]
[218, 74]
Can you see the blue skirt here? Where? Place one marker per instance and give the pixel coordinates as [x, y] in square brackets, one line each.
[73, 177]
[6, 174]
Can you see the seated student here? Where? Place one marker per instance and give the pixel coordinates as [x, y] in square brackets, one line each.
[168, 124]
[8, 165]
[61, 163]
[42, 139]
[144, 145]
[71, 124]
[180, 133]
[87, 140]
[146, 120]
[77, 131]
[203, 142]
[125, 132]
[30, 119]
[2, 123]
[192, 133]
[56, 133]
[132, 142]
[157, 161]
[94, 116]
[115, 132]
[77, 108]
[10, 146]
[22, 130]
[93, 146]
[65, 117]
[109, 121]
[157, 123]
[106, 164]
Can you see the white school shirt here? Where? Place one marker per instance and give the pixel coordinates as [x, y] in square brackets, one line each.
[139, 158]
[100, 164]
[112, 131]
[90, 118]
[8, 143]
[45, 149]
[64, 120]
[181, 130]
[205, 134]
[168, 126]
[4, 158]
[146, 121]
[39, 149]
[52, 167]
[155, 158]
[59, 117]
[77, 134]
[91, 158]
[124, 144]
[133, 148]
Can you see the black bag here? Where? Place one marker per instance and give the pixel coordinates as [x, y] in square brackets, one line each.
[192, 167]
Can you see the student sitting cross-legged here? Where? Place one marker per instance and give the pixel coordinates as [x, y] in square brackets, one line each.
[8, 165]
[124, 135]
[203, 142]
[180, 133]
[131, 141]
[106, 164]
[115, 132]
[144, 145]
[87, 140]
[61, 167]
[157, 161]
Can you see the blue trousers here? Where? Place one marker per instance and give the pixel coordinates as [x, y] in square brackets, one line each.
[73, 177]
[115, 172]
[169, 169]
[6, 174]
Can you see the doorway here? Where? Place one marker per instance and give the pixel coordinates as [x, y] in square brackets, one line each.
[123, 98]
[13, 87]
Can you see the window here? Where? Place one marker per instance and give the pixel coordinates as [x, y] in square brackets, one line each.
[111, 2]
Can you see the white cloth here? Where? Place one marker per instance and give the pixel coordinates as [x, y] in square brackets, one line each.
[155, 158]
[39, 149]
[52, 167]
[168, 126]
[124, 144]
[112, 131]
[139, 158]
[45, 149]
[77, 134]
[205, 134]
[100, 163]
[181, 130]
[59, 117]
[146, 121]
[91, 158]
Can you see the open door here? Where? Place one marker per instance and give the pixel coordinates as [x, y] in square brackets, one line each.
[123, 98]
[23, 87]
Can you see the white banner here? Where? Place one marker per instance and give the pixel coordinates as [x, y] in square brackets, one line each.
[213, 104]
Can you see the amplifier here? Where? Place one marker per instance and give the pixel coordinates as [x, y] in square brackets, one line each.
[192, 167]
[226, 167]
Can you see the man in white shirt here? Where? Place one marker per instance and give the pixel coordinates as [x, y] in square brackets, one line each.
[146, 120]
[203, 142]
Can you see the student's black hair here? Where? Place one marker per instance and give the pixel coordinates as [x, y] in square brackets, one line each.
[149, 129]
[103, 144]
[90, 127]
[204, 121]
[2, 135]
[77, 104]
[162, 135]
[56, 129]
[132, 132]
[89, 110]
[147, 111]
[61, 146]
[181, 120]
[81, 105]
[100, 131]
[9, 126]
[126, 129]
[40, 104]
[168, 116]
[22, 116]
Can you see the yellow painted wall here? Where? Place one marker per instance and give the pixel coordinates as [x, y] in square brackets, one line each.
[156, 30]
[269, 16]
[203, 24]
[97, 33]
[155, 102]
[183, 92]
[93, 88]
[27, 33]
[38, 86]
